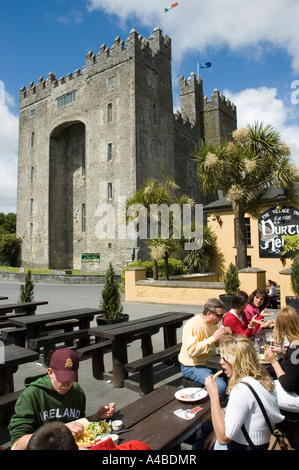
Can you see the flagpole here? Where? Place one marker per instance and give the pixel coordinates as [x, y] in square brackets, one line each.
[165, 20]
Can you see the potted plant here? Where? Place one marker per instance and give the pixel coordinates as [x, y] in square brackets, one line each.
[111, 301]
[26, 291]
[293, 301]
[231, 285]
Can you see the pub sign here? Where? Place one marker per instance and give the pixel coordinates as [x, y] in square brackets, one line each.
[273, 224]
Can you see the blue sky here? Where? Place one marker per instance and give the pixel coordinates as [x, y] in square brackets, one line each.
[253, 47]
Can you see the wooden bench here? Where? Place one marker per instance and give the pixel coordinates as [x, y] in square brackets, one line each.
[96, 351]
[145, 366]
[17, 334]
[48, 342]
[7, 403]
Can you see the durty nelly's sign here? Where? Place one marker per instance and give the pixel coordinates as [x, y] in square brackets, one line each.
[273, 224]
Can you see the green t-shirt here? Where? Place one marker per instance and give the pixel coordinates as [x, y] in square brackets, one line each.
[40, 403]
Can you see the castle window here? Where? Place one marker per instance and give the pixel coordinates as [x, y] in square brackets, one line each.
[156, 149]
[31, 174]
[32, 112]
[109, 112]
[31, 230]
[151, 82]
[66, 99]
[31, 206]
[111, 81]
[155, 115]
[83, 159]
[109, 152]
[109, 191]
[32, 139]
[83, 218]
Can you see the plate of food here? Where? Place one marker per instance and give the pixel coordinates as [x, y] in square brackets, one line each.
[191, 394]
[94, 432]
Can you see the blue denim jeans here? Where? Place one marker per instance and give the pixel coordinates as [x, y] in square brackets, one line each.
[200, 373]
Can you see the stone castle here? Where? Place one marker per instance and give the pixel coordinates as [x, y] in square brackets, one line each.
[90, 139]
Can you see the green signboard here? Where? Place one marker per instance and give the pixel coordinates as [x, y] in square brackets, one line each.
[90, 257]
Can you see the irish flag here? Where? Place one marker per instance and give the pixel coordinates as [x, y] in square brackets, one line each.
[170, 8]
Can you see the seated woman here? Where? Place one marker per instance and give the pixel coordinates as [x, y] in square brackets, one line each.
[258, 300]
[286, 369]
[241, 363]
[272, 293]
[236, 319]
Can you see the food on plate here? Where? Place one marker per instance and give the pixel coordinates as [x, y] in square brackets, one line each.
[92, 433]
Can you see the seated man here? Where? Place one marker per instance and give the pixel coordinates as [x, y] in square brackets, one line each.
[55, 396]
[199, 341]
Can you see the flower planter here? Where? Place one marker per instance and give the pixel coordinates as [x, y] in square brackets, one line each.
[293, 301]
[227, 300]
[110, 321]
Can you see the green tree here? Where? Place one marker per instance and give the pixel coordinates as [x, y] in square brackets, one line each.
[8, 222]
[231, 280]
[10, 248]
[27, 289]
[199, 260]
[154, 193]
[111, 297]
[245, 169]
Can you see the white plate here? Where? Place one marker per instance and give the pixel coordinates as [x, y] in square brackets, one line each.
[186, 394]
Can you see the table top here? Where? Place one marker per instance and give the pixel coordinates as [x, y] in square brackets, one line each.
[155, 411]
[53, 317]
[7, 308]
[139, 326]
[15, 355]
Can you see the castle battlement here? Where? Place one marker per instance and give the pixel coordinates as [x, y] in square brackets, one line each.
[151, 51]
[219, 101]
[190, 85]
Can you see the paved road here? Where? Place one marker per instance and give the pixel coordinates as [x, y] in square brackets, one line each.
[65, 297]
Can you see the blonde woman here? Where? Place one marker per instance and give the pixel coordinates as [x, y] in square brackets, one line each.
[286, 369]
[241, 363]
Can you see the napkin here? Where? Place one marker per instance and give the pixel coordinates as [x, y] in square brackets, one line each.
[187, 414]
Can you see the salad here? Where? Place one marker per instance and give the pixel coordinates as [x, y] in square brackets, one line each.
[93, 433]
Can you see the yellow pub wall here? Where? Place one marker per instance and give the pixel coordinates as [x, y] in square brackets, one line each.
[197, 293]
[223, 227]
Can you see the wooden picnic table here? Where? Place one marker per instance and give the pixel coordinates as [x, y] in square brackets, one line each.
[28, 307]
[35, 324]
[13, 357]
[152, 419]
[141, 329]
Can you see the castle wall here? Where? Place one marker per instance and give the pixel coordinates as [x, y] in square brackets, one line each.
[89, 140]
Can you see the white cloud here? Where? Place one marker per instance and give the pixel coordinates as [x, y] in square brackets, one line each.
[9, 123]
[262, 105]
[197, 24]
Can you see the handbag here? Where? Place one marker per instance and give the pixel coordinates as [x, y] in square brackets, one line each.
[278, 440]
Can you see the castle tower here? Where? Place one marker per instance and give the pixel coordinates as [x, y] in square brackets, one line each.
[89, 140]
[220, 119]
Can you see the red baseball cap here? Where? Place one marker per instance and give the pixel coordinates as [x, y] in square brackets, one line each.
[65, 364]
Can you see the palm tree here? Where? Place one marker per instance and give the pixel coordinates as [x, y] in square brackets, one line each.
[200, 259]
[245, 169]
[154, 193]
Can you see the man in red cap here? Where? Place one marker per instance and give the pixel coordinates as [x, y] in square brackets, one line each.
[55, 396]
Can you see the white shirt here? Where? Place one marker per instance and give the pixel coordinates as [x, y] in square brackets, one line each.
[242, 408]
